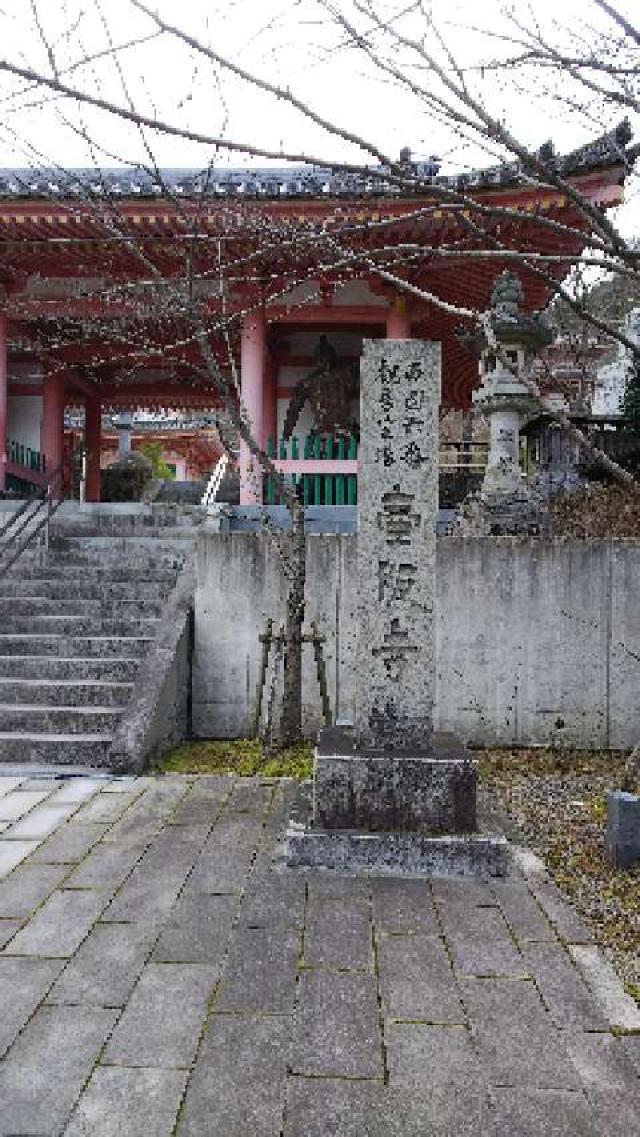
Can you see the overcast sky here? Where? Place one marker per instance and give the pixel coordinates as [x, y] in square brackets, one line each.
[292, 44]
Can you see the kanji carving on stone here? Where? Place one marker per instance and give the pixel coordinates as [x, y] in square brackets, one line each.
[396, 518]
[396, 581]
[396, 650]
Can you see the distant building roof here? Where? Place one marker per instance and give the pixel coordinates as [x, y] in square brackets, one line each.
[307, 181]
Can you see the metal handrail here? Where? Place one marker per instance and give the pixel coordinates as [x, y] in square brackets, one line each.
[215, 481]
[46, 505]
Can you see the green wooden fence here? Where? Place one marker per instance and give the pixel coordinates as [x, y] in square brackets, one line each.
[22, 455]
[319, 487]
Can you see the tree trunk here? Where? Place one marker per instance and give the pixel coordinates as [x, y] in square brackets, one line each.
[291, 719]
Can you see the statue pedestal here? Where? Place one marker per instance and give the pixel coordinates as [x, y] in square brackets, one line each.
[393, 813]
[433, 791]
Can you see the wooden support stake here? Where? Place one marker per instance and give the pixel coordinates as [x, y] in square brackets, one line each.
[321, 672]
[265, 640]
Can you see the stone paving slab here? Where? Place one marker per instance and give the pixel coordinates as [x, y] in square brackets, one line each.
[47, 1066]
[8, 784]
[70, 844]
[202, 804]
[106, 967]
[23, 985]
[562, 915]
[334, 885]
[565, 994]
[162, 1021]
[615, 1113]
[80, 789]
[403, 906]
[629, 1045]
[238, 1084]
[12, 853]
[600, 1062]
[340, 1108]
[337, 1030]
[225, 860]
[517, 1041]
[149, 812]
[619, 1008]
[152, 888]
[106, 866]
[135, 1102]
[106, 807]
[261, 971]
[542, 1113]
[338, 934]
[220, 994]
[251, 797]
[59, 927]
[198, 930]
[521, 911]
[274, 900]
[8, 929]
[420, 1055]
[17, 804]
[28, 886]
[42, 821]
[416, 980]
[480, 943]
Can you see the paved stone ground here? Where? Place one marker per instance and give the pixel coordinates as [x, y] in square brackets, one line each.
[161, 975]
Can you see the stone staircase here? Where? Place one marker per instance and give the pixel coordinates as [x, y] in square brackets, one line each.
[75, 624]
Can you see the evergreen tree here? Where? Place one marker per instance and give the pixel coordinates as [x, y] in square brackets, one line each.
[631, 396]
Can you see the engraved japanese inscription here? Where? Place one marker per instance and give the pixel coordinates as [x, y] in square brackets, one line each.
[398, 484]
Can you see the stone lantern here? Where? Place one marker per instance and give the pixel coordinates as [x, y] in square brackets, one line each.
[503, 396]
[123, 423]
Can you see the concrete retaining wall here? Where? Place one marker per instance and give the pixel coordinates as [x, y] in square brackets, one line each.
[159, 713]
[538, 642]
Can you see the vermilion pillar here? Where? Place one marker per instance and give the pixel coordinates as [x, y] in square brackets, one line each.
[398, 323]
[252, 374]
[270, 404]
[52, 433]
[3, 401]
[92, 439]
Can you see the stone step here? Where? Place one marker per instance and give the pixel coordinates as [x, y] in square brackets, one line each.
[158, 548]
[35, 718]
[117, 608]
[153, 529]
[64, 692]
[182, 493]
[60, 668]
[100, 588]
[79, 626]
[55, 749]
[129, 647]
[96, 574]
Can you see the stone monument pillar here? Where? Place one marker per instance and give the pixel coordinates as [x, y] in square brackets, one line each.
[389, 795]
[398, 495]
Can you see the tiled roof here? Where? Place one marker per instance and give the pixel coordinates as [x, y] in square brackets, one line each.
[304, 181]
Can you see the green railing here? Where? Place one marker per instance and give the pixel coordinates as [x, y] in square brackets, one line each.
[326, 471]
[21, 455]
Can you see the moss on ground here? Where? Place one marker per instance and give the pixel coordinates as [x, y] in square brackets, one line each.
[557, 799]
[243, 756]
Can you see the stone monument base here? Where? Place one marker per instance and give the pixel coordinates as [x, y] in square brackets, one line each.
[395, 854]
[384, 812]
[432, 791]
